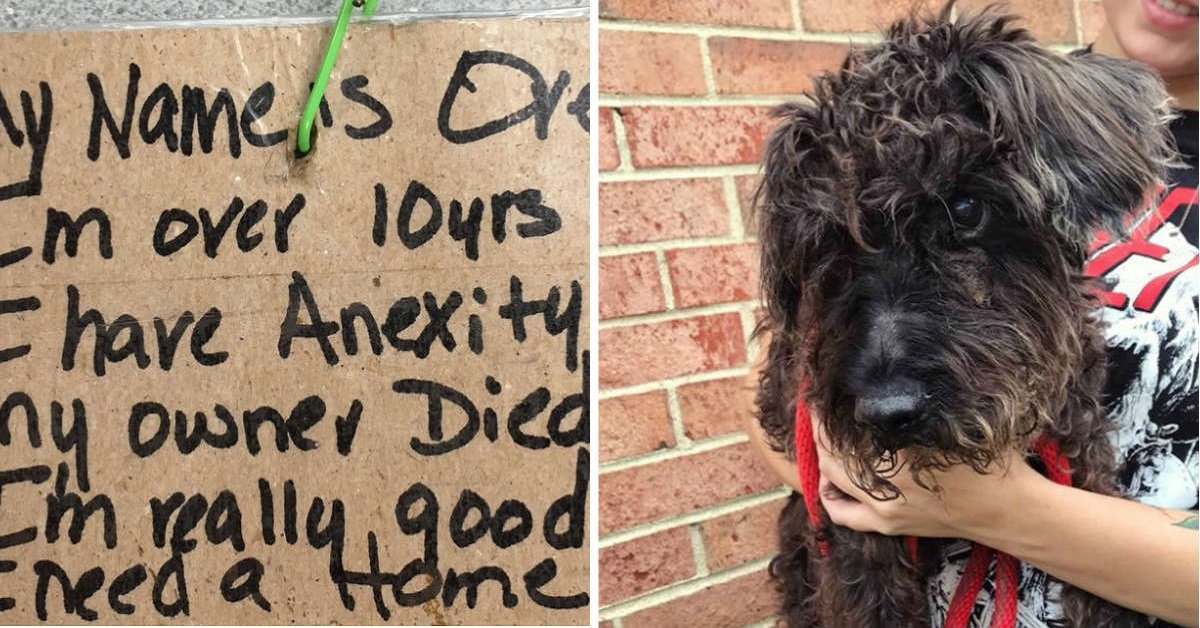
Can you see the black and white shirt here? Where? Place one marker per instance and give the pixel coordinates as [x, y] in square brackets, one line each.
[1150, 312]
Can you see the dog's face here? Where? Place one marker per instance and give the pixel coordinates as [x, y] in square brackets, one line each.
[924, 221]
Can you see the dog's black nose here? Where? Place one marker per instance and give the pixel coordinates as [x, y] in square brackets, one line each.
[892, 407]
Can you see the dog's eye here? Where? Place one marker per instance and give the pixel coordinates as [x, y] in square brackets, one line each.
[967, 213]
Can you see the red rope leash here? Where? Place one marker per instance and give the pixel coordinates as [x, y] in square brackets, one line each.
[807, 463]
[1058, 469]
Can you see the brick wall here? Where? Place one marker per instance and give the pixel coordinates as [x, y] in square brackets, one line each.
[687, 512]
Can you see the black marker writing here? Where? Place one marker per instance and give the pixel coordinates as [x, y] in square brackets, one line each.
[36, 131]
[544, 97]
[191, 119]
[419, 200]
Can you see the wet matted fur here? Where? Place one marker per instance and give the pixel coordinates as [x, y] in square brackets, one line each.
[924, 220]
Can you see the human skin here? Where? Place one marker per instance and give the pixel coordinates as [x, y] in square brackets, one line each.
[1136, 29]
[1074, 535]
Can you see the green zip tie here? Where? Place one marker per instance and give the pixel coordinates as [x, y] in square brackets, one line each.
[309, 117]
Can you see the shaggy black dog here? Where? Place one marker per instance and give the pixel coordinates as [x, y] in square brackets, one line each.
[924, 222]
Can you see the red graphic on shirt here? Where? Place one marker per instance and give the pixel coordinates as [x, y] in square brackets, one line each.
[1108, 259]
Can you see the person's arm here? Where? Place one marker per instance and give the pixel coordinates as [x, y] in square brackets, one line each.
[779, 463]
[782, 467]
[1134, 555]
[1137, 556]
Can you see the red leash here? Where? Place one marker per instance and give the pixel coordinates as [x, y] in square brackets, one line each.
[1058, 469]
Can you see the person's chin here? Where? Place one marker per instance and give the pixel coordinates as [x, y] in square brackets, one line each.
[1169, 57]
[1165, 42]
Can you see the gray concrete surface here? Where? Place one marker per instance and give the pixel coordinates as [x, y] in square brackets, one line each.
[44, 14]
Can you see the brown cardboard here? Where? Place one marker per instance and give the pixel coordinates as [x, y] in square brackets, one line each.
[330, 243]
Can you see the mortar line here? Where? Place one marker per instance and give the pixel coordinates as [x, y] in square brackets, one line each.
[667, 245]
[664, 279]
[748, 323]
[1077, 14]
[756, 32]
[710, 80]
[671, 315]
[733, 205]
[663, 455]
[707, 513]
[617, 622]
[688, 587]
[797, 17]
[676, 172]
[625, 160]
[769, 622]
[701, 100]
[699, 554]
[691, 378]
[682, 440]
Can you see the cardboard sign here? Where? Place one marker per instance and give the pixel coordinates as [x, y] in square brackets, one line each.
[241, 387]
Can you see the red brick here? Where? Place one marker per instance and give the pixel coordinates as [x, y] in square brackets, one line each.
[643, 353]
[609, 157]
[713, 274]
[644, 564]
[679, 485]
[743, 600]
[634, 424]
[690, 136]
[768, 13]
[630, 284]
[649, 211]
[747, 186]
[718, 406]
[858, 16]
[1051, 21]
[741, 536]
[633, 62]
[744, 65]
[1091, 17]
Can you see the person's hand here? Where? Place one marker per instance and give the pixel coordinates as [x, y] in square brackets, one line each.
[966, 503]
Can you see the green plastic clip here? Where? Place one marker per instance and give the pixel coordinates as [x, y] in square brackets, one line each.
[309, 117]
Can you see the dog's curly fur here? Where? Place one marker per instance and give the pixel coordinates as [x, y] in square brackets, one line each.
[858, 231]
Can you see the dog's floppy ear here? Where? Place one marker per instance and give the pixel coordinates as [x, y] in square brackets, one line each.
[1088, 131]
[792, 203]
